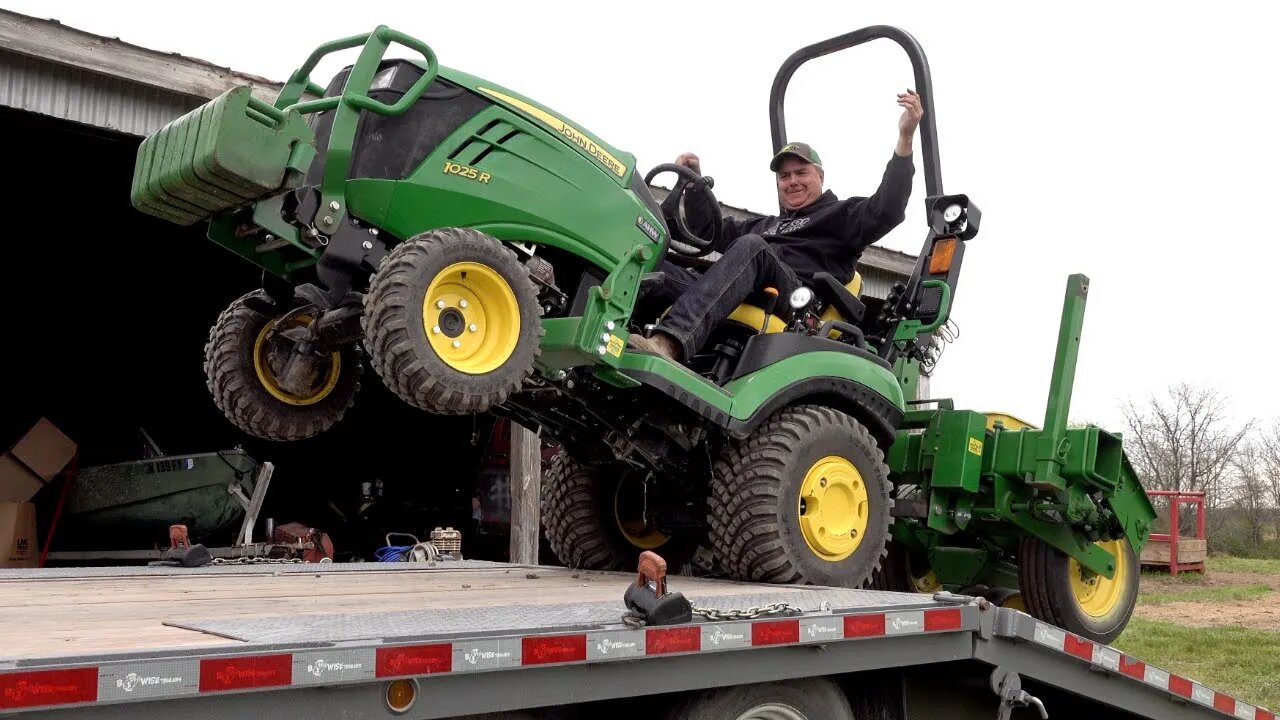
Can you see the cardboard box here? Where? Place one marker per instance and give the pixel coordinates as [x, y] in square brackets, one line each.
[18, 544]
[34, 461]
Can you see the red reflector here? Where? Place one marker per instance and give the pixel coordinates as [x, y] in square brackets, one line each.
[778, 632]
[672, 640]
[562, 648]
[864, 626]
[1179, 685]
[414, 660]
[48, 687]
[1225, 703]
[935, 620]
[240, 673]
[1261, 714]
[1082, 649]
[1135, 669]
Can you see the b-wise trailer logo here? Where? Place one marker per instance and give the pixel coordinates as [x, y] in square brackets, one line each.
[133, 681]
[320, 667]
[475, 655]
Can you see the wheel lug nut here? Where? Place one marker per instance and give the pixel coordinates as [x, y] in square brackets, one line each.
[436, 329]
[457, 343]
[853, 533]
[462, 303]
[823, 482]
[474, 328]
[440, 304]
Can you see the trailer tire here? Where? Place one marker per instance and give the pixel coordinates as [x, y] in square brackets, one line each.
[807, 699]
[482, 342]
[582, 525]
[1100, 614]
[767, 521]
[240, 380]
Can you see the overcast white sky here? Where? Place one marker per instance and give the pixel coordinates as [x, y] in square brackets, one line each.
[1133, 142]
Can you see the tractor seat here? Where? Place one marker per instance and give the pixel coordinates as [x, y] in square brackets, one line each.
[841, 303]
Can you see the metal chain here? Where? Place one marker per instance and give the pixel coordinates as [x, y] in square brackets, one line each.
[715, 614]
[246, 560]
[635, 620]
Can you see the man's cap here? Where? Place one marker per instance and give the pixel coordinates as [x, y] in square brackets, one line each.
[800, 150]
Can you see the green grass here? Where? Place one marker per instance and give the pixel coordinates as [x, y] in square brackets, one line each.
[1225, 563]
[1233, 660]
[1219, 594]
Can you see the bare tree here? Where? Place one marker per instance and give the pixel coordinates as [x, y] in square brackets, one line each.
[1184, 442]
[1270, 451]
[1249, 494]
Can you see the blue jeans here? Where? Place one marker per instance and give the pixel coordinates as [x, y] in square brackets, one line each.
[701, 303]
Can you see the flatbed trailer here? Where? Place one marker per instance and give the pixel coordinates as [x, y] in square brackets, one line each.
[459, 638]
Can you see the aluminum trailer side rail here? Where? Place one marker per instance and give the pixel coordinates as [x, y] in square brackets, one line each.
[510, 656]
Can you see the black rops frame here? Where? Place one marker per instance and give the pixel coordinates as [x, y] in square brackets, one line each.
[935, 200]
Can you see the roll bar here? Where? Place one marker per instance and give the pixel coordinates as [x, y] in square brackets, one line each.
[924, 87]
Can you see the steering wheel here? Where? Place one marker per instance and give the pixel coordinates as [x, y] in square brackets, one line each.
[683, 241]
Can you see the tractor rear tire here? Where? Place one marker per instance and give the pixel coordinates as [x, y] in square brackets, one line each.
[452, 321]
[240, 378]
[805, 499]
[583, 527]
[1054, 590]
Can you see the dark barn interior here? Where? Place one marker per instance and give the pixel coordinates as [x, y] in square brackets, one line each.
[106, 315]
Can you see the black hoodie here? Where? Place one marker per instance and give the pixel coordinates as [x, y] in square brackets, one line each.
[827, 235]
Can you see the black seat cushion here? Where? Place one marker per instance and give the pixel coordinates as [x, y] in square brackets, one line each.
[834, 293]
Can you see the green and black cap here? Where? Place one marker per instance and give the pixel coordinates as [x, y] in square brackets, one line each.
[800, 150]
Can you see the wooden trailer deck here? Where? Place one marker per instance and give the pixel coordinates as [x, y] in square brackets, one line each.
[61, 612]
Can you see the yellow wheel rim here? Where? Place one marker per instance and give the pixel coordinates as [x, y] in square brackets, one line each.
[926, 583]
[471, 317]
[1096, 594]
[1014, 602]
[629, 515]
[834, 507]
[267, 377]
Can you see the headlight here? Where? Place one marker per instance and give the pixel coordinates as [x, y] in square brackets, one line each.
[952, 213]
[801, 297]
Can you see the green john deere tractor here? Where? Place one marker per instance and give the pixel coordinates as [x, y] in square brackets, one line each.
[487, 254]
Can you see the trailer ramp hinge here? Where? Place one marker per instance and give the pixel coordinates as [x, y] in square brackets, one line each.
[647, 599]
[1008, 686]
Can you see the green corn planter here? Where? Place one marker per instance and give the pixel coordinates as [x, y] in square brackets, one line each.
[227, 153]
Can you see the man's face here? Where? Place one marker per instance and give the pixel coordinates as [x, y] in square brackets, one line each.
[799, 183]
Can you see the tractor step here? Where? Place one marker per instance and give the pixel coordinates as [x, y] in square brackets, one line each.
[229, 152]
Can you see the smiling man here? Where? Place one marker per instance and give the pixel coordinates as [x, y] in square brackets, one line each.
[814, 232]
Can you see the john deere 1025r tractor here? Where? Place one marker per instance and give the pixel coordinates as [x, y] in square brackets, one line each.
[487, 254]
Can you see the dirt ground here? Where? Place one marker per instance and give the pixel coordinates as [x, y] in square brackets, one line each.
[1260, 613]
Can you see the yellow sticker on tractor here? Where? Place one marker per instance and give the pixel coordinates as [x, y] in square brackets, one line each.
[975, 446]
[576, 136]
[615, 346]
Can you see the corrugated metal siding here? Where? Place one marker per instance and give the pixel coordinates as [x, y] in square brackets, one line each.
[876, 282]
[69, 93]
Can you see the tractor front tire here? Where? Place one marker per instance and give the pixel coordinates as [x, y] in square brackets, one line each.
[452, 321]
[805, 499]
[588, 518]
[1058, 590]
[241, 377]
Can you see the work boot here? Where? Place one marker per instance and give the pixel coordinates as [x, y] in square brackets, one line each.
[659, 344]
